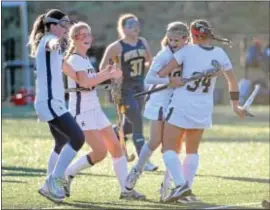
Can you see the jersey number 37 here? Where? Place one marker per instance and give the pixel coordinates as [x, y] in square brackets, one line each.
[136, 67]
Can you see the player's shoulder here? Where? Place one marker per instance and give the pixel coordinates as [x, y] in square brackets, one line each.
[144, 40]
[76, 58]
[47, 37]
[114, 46]
[164, 51]
[220, 51]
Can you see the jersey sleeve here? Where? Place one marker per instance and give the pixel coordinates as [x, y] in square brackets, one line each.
[225, 61]
[157, 64]
[153, 78]
[159, 61]
[179, 56]
[77, 63]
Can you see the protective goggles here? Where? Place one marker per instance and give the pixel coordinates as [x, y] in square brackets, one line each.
[63, 22]
[131, 23]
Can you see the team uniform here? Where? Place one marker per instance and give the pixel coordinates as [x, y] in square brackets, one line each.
[132, 61]
[50, 107]
[157, 103]
[191, 106]
[85, 105]
[49, 102]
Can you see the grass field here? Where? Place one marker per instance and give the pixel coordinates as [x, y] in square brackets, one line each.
[234, 166]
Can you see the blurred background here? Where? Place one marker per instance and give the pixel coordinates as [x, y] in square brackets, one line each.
[245, 23]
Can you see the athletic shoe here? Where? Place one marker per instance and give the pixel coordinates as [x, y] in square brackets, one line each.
[164, 192]
[150, 167]
[189, 198]
[67, 186]
[132, 195]
[177, 192]
[132, 178]
[53, 189]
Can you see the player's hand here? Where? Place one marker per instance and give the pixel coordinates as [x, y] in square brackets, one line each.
[239, 111]
[116, 73]
[108, 68]
[176, 82]
[54, 45]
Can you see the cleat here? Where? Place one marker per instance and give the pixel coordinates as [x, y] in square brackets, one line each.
[132, 195]
[150, 167]
[164, 192]
[67, 186]
[178, 192]
[132, 178]
[188, 198]
[53, 189]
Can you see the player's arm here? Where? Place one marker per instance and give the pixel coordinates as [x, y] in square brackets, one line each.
[70, 72]
[152, 76]
[176, 61]
[232, 86]
[166, 70]
[101, 76]
[148, 55]
[111, 53]
[52, 44]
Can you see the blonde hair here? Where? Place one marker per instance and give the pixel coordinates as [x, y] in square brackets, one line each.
[73, 31]
[121, 22]
[177, 28]
[206, 31]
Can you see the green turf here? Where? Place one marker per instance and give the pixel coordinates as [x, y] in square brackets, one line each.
[234, 166]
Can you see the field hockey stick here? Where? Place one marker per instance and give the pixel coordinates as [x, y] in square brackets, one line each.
[99, 87]
[121, 109]
[209, 73]
[250, 100]
[116, 89]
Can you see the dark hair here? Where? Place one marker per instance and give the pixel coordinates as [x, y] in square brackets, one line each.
[202, 29]
[39, 28]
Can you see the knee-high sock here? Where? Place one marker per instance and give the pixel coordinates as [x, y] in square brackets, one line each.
[173, 164]
[121, 171]
[81, 164]
[190, 166]
[143, 157]
[51, 162]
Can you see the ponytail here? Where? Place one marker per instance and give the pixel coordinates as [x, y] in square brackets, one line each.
[37, 33]
[164, 42]
[222, 40]
[70, 50]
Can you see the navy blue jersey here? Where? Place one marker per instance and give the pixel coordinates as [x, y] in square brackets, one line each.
[133, 64]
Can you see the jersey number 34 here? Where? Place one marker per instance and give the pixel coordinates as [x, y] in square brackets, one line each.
[204, 82]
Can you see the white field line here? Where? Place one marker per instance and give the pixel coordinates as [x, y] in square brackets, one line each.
[234, 205]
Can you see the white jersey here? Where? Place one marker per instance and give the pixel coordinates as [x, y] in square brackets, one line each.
[49, 78]
[193, 103]
[158, 102]
[80, 102]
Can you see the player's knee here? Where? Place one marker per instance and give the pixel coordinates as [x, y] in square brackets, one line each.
[116, 150]
[59, 146]
[100, 154]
